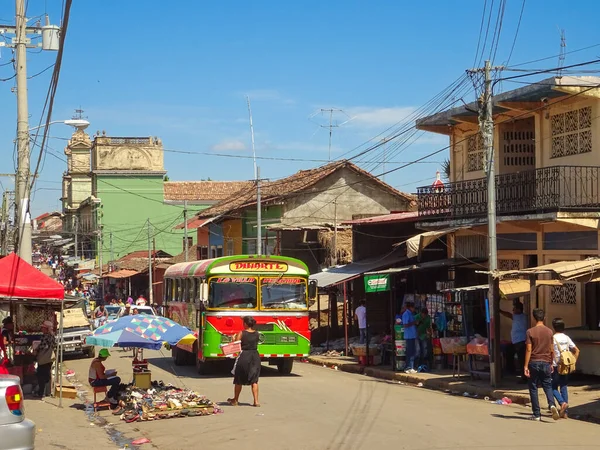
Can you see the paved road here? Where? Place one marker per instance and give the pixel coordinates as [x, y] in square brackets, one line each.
[320, 408]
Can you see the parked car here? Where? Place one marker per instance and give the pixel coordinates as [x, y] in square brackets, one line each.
[18, 433]
[149, 310]
[76, 328]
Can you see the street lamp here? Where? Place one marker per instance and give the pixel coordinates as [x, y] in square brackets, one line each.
[80, 124]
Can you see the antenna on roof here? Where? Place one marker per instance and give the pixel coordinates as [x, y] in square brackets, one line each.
[561, 55]
[331, 125]
[252, 136]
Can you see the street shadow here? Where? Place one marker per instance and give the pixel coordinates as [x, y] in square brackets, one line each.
[218, 369]
[507, 417]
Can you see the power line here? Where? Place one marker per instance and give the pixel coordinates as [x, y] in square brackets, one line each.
[512, 48]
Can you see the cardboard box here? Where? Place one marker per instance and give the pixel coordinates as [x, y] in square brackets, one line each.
[67, 392]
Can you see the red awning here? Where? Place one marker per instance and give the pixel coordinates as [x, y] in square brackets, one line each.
[18, 279]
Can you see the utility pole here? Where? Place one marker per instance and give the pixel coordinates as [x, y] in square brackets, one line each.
[76, 233]
[185, 232]
[258, 215]
[23, 183]
[334, 256]
[4, 220]
[23, 162]
[100, 248]
[150, 290]
[112, 256]
[486, 126]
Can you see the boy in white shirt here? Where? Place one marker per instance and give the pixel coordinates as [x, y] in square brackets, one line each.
[561, 342]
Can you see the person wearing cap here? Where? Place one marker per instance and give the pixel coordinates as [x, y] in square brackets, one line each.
[44, 356]
[98, 376]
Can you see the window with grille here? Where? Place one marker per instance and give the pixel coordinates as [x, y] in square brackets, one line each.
[571, 132]
[564, 295]
[509, 264]
[475, 153]
[229, 247]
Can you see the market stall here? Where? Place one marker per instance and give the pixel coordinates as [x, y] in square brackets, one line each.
[30, 298]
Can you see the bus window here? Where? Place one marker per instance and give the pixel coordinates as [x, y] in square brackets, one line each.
[283, 293]
[232, 292]
[167, 290]
[196, 289]
[190, 290]
[178, 290]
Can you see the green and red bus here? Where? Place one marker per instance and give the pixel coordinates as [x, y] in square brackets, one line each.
[212, 296]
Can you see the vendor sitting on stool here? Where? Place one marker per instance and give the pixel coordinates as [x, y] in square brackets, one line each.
[98, 376]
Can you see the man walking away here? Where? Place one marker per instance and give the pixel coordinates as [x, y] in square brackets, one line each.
[517, 336]
[361, 317]
[539, 353]
[410, 336]
[565, 352]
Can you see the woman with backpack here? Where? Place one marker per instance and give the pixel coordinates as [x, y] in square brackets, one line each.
[565, 357]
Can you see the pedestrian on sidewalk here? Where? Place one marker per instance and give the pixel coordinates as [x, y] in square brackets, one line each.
[361, 318]
[410, 336]
[539, 351]
[518, 334]
[246, 370]
[564, 348]
[44, 356]
[423, 321]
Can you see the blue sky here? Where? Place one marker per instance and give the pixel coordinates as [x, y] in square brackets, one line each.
[180, 71]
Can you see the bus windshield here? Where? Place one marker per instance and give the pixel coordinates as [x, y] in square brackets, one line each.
[232, 292]
[283, 293]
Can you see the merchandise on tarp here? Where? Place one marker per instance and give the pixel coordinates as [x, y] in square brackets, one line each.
[162, 401]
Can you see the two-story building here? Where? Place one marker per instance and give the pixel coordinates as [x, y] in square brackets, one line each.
[546, 157]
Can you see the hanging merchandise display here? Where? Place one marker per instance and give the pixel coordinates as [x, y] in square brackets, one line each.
[162, 402]
[400, 344]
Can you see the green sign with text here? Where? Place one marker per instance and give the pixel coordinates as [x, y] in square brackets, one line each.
[377, 283]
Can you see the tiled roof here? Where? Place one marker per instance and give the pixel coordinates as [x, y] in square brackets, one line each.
[212, 191]
[192, 256]
[278, 190]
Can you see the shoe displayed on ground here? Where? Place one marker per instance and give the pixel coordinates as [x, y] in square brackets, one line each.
[555, 414]
[112, 401]
[537, 419]
[413, 371]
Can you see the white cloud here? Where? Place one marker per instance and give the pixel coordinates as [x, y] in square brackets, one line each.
[377, 117]
[229, 145]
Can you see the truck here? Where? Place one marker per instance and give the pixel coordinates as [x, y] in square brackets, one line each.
[76, 328]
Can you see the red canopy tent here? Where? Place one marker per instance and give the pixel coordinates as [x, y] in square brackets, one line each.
[18, 279]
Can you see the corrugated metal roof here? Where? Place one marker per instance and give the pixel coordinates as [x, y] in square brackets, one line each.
[337, 275]
[405, 216]
[450, 262]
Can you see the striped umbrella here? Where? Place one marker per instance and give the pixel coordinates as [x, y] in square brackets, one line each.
[141, 331]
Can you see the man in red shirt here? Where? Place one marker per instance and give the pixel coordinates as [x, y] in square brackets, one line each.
[539, 354]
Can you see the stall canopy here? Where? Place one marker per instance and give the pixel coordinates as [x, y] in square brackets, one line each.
[123, 273]
[340, 274]
[416, 244]
[509, 288]
[450, 262]
[581, 270]
[18, 279]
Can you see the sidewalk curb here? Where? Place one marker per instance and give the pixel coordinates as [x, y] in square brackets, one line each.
[456, 386]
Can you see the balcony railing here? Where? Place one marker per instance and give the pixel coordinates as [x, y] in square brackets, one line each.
[549, 189]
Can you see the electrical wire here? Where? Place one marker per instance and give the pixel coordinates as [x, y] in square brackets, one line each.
[512, 48]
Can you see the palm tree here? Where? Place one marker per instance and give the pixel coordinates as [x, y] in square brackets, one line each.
[446, 169]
